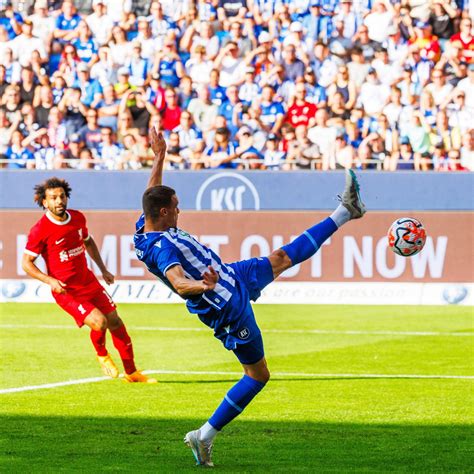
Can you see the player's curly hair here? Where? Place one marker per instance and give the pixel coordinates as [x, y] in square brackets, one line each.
[51, 183]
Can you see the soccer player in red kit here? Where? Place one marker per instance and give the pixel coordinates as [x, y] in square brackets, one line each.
[61, 238]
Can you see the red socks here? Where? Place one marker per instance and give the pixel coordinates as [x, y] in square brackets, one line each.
[123, 344]
[98, 341]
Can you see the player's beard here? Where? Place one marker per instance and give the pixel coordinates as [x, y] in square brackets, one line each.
[58, 211]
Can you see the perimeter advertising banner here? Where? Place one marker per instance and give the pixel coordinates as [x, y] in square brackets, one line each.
[357, 253]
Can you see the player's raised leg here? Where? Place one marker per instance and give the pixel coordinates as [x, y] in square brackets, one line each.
[310, 241]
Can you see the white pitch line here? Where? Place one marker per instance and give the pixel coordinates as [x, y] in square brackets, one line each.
[278, 331]
[203, 372]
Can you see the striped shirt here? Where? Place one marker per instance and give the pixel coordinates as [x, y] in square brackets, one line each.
[161, 251]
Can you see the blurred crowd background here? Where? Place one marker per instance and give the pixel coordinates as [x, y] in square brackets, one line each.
[245, 84]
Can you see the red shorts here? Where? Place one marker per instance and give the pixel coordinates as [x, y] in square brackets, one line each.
[79, 303]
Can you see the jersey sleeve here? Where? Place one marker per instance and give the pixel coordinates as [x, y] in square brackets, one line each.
[35, 243]
[140, 223]
[83, 226]
[165, 256]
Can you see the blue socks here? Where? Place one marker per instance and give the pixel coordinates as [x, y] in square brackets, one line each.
[309, 242]
[237, 398]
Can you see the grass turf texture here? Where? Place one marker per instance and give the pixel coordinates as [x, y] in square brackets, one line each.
[331, 424]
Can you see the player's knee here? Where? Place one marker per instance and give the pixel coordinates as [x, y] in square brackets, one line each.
[98, 323]
[265, 376]
[113, 321]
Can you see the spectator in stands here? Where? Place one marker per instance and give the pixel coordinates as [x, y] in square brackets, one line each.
[203, 111]
[100, 22]
[467, 150]
[221, 152]
[11, 102]
[120, 48]
[24, 44]
[273, 158]
[272, 112]
[85, 45]
[300, 111]
[231, 66]
[103, 69]
[403, 159]
[379, 20]
[18, 154]
[325, 137]
[395, 74]
[466, 40]
[344, 86]
[168, 64]
[373, 96]
[67, 22]
[344, 154]
[198, 67]
[91, 90]
[43, 103]
[27, 86]
[7, 128]
[293, 67]
[172, 111]
[57, 132]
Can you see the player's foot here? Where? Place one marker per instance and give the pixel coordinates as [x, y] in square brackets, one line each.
[350, 198]
[138, 377]
[108, 366]
[202, 451]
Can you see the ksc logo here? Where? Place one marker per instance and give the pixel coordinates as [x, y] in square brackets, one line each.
[244, 333]
[454, 294]
[227, 192]
[13, 289]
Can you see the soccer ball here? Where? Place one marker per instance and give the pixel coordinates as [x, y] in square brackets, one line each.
[406, 236]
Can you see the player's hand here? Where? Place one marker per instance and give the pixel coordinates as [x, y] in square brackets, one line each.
[108, 277]
[157, 143]
[210, 279]
[57, 286]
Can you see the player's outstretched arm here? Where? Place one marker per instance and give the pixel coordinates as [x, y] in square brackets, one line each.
[28, 265]
[158, 145]
[186, 287]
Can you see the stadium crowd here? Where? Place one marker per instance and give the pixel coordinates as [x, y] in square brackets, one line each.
[247, 84]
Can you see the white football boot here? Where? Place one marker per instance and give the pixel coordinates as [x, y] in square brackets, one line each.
[350, 198]
[202, 451]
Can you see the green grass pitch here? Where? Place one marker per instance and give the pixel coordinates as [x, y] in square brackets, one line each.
[301, 422]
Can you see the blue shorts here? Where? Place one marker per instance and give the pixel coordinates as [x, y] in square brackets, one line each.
[243, 335]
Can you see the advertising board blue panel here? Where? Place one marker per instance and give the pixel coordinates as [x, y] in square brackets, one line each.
[257, 190]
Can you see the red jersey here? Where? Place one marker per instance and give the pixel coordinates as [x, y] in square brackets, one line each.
[467, 47]
[61, 244]
[171, 118]
[300, 114]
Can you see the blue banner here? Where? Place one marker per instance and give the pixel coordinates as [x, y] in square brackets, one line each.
[251, 190]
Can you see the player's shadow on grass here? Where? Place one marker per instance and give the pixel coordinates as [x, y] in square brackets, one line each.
[52, 444]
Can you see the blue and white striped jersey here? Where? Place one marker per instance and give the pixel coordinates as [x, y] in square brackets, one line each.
[160, 251]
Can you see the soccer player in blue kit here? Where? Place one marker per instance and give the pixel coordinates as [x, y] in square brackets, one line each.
[220, 293]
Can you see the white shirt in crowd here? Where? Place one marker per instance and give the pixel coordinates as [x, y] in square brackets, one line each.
[43, 27]
[377, 24]
[232, 71]
[373, 97]
[23, 48]
[101, 26]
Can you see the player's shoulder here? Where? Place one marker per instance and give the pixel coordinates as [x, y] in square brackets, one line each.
[76, 215]
[39, 225]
